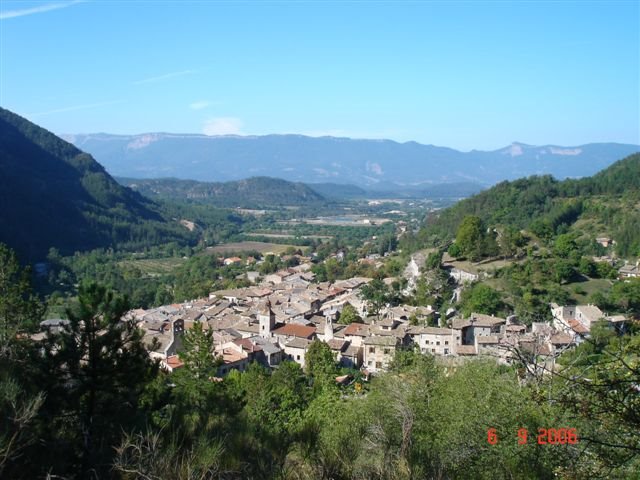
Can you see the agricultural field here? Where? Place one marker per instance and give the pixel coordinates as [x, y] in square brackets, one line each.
[347, 220]
[248, 246]
[154, 266]
[288, 235]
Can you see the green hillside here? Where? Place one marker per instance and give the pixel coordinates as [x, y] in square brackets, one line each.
[255, 192]
[54, 195]
[338, 190]
[605, 204]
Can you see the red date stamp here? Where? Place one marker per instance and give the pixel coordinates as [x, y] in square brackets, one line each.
[545, 436]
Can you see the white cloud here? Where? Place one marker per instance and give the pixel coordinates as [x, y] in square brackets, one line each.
[74, 107]
[223, 126]
[164, 77]
[199, 105]
[40, 9]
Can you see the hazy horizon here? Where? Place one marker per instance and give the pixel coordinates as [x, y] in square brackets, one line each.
[67, 135]
[462, 75]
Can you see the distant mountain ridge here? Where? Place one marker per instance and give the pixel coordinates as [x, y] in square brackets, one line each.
[365, 163]
[254, 192]
[338, 190]
[268, 192]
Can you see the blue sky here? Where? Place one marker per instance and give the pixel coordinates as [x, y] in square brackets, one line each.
[459, 74]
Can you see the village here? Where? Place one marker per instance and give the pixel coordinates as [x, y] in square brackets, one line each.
[279, 317]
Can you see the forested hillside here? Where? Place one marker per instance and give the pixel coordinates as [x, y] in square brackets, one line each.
[255, 192]
[337, 190]
[54, 195]
[538, 240]
[605, 203]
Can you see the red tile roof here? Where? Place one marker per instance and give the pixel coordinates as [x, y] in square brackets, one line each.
[561, 339]
[466, 350]
[337, 344]
[295, 330]
[231, 356]
[536, 348]
[578, 327]
[174, 362]
[246, 345]
[359, 329]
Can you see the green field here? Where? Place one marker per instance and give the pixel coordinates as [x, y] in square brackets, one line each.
[288, 235]
[154, 266]
[581, 291]
[248, 246]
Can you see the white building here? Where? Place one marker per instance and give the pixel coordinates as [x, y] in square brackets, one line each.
[435, 341]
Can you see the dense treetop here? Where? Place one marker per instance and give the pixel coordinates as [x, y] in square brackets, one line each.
[547, 207]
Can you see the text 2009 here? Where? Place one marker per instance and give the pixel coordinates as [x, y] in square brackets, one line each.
[546, 436]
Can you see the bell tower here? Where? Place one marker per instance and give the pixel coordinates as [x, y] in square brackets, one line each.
[328, 328]
[266, 319]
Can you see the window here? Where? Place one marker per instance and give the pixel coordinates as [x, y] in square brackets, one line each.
[433, 350]
[437, 343]
[386, 351]
[372, 349]
[297, 357]
[446, 342]
[446, 351]
[378, 364]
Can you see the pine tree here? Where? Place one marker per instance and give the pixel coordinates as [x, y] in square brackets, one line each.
[20, 309]
[94, 372]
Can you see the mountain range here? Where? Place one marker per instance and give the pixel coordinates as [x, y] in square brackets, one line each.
[53, 194]
[373, 164]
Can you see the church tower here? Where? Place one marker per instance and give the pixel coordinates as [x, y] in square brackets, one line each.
[266, 319]
[328, 328]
